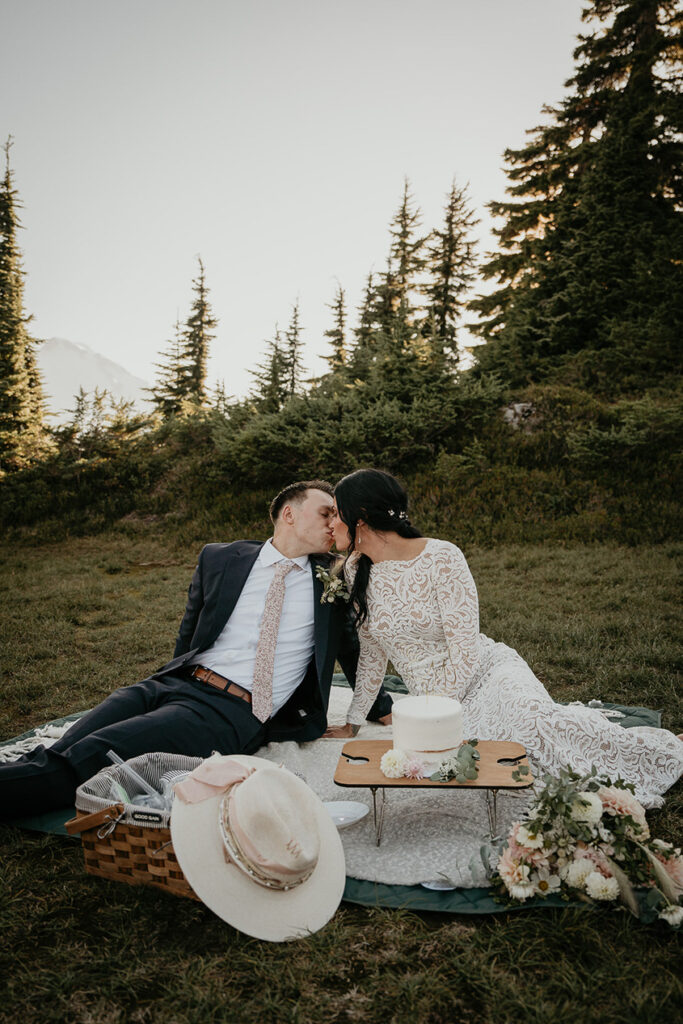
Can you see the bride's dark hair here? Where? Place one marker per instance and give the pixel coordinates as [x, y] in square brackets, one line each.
[380, 501]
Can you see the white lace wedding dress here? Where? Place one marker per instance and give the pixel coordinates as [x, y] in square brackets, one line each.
[423, 614]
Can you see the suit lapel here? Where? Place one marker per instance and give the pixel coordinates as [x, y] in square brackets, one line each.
[321, 615]
[235, 574]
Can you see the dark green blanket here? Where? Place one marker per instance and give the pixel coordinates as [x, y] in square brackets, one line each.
[374, 894]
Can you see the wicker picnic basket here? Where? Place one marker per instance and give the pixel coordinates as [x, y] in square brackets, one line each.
[126, 843]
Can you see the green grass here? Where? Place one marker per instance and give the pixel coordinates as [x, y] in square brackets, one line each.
[85, 615]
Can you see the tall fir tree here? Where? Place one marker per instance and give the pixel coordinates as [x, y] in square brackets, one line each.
[21, 396]
[272, 377]
[220, 399]
[364, 348]
[196, 339]
[395, 308]
[337, 333]
[407, 247]
[293, 349]
[170, 388]
[451, 264]
[592, 244]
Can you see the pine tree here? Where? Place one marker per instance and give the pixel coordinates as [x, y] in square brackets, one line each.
[366, 323]
[337, 333]
[386, 302]
[406, 247]
[272, 377]
[196, 338]
[36, 391]
[406, 263]
[169, 389]
[293, 346]
[365, 334]
[21, 400]
[590, 269]
[451, 264]
[221, 399]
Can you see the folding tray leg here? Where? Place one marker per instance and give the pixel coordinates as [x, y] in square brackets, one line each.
[378, 819]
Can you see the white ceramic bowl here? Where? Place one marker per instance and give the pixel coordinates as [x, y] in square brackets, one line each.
[346, 812]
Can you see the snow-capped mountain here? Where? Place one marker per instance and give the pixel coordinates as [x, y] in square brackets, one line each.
[66, 367]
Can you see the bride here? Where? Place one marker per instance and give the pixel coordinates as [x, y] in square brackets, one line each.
[414, 601]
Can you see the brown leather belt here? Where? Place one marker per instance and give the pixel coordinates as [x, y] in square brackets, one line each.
[220, 682]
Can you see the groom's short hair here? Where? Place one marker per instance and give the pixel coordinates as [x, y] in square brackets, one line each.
[297, 492]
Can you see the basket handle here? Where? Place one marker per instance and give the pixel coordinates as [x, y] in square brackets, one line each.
[85, 821]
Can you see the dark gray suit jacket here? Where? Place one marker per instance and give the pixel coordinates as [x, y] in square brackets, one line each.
[221, 573]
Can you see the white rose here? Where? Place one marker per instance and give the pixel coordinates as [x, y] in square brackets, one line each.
[672, 914]
[600, 888]
[587, 807]
[393, 763]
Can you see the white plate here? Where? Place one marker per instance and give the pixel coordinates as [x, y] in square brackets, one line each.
[346, 812]
[438, 885]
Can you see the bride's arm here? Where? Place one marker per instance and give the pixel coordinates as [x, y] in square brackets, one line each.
[370, 671]
[456, 594]
[372, 665]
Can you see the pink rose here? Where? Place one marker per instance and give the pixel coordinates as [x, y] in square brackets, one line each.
[621, 802]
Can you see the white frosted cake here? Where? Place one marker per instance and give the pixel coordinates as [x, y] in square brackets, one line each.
[427, 725]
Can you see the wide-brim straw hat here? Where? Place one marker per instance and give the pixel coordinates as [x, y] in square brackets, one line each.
[262, 853]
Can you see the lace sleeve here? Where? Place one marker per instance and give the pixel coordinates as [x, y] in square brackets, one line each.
[456, 593]
[372, 665]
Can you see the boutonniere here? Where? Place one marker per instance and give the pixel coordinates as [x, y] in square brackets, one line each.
[334, 584]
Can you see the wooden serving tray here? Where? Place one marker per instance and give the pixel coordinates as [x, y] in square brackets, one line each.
[364, 769]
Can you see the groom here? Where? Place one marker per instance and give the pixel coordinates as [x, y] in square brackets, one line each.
[225, 689]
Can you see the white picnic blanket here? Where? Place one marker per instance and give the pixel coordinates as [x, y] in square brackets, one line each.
[428, 835]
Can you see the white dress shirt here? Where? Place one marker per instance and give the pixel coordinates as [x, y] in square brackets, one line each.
[233, 653]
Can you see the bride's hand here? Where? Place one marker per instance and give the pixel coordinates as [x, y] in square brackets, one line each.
[339, 732]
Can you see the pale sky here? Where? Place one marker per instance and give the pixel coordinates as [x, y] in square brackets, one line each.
[271, 137]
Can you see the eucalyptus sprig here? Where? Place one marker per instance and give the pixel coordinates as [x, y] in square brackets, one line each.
[461, 766]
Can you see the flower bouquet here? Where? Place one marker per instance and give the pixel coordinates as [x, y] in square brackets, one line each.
[587, 836]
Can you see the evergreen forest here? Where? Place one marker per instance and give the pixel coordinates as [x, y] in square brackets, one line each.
[565, 423]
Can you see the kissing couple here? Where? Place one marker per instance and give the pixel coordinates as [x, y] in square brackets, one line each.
[257, 646]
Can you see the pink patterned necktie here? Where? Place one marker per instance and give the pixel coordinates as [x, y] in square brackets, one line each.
[262, 686]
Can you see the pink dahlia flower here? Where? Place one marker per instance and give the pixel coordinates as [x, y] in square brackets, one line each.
[414, 769]
[621, 801]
